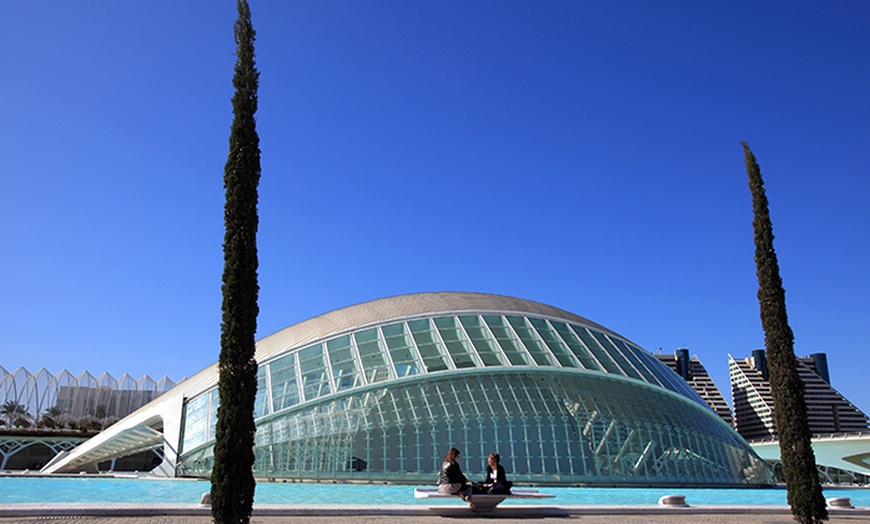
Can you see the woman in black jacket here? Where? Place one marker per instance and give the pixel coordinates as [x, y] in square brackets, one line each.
[496, 483]
[450, 479]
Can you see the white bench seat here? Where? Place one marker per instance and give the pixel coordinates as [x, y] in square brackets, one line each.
[482, 502]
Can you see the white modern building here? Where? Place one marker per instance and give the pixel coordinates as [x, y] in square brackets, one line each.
[378, 392]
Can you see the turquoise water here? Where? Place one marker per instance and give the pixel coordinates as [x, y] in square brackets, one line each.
[89, 489]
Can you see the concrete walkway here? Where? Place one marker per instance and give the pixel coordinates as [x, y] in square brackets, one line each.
[348, 514]
[378, 519]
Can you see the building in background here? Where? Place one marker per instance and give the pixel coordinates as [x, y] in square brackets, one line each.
[44, 414]
[379, 391]
[829, 412]
[841, 434]
[694, 373]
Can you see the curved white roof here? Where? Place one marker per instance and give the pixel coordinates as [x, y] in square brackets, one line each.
[403, 306]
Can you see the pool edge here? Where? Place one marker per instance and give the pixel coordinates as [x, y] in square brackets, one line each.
[298, 510]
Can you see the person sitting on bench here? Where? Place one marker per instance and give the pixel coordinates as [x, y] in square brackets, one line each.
[450, 479]
[495, 482]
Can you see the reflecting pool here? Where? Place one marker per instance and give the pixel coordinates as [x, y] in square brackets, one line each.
[179, 491]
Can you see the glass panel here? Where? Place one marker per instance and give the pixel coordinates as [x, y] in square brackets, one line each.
[315, 379]
[345, 371]
[427, 343]
[505, 337]
[486, 348]
[401, 351]
[557, 347]
[285, 390]
[608, 346]
[536, 349]
[372, 355]
[577, 347]
[668, 378]
[662, 373]
[454, 339]
[214, 400]
[195, 421]
[600, 355]
[550, 427]
[632, 357]
[261, 407]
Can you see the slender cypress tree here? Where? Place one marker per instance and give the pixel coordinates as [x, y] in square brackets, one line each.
[790, 408]
[232, 479]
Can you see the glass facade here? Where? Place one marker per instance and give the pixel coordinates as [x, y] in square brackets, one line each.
[561, 401]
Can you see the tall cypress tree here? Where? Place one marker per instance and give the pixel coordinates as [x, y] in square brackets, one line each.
[790, 408]
[232, 479]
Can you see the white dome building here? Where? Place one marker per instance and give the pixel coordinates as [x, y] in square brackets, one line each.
[380, 391]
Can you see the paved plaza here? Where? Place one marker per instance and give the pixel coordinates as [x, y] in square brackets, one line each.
[434, 519]
[274, 514]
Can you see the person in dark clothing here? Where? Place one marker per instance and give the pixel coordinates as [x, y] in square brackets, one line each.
[450, 479]
[495, 482]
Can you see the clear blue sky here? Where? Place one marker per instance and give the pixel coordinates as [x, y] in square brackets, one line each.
[581, 154]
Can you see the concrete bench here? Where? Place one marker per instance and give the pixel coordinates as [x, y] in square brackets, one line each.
[482, 502]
